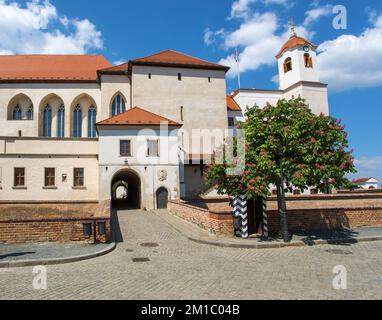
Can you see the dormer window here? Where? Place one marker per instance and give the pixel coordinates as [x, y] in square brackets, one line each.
[287, 65]
[308, 61]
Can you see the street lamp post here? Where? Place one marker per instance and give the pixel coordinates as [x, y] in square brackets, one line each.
[281, 193]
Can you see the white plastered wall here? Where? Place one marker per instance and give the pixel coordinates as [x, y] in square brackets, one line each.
[204, 103]
[34, 171]
[147, 168]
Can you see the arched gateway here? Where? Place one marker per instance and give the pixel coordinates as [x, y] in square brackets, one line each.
[126, 190]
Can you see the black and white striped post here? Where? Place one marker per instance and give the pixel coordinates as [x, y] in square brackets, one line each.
[240, 212]
[265, 217]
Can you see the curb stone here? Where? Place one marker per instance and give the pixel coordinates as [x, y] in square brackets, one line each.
[263, 245]
[56, 261]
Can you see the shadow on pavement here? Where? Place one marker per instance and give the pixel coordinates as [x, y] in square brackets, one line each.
[116, 233]
[16, 254]
[347, 236]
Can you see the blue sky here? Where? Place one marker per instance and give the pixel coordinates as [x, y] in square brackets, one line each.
[350, 59]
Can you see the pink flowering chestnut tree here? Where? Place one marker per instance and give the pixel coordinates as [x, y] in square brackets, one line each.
[286, 140]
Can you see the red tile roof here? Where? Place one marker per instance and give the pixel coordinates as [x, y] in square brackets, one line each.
[232, 104]
[51, 68]
[119, 69]
[294, 42]
[362, 180]
[173, 58]
[137, 117]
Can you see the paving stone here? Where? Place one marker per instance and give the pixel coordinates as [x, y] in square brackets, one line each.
[183, 269]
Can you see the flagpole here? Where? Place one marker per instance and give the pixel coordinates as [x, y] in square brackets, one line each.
[238, 67]
[238, 74]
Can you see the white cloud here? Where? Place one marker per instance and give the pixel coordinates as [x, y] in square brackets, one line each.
[351, 61]
[242, 8]
[37, 28]
[210, 36]
[276, 79]
[316, 13]
[369, 167]
[259, 38]
[346, 62]
[285, 3]
[119, 62]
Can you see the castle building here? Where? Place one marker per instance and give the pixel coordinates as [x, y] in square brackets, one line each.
[76, 128]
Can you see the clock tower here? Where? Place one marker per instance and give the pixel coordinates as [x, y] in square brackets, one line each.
[297, 61]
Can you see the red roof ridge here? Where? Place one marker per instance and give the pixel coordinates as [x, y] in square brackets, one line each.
[139, 117]
[120, 68]
[154, 54]
[293, 42]
[192, 61]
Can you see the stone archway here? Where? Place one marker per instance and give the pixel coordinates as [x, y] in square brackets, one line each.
[126, 190]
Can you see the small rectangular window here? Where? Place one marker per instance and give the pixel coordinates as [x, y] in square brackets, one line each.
[125, 148]
[181, 113]
[19, 178]
[153, 148]
[50, 177]
[79, 177]
[149, 75]
[231, 122]
[209, 79]
[179, 76]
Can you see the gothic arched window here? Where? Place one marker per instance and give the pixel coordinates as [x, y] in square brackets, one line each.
[47, 121]
[30, 113]
[61, 122]
[118, 105]
[288, 65]
[17, 113]
[92, 116]
[77, 122]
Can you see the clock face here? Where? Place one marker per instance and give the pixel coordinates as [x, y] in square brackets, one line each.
[306, 48]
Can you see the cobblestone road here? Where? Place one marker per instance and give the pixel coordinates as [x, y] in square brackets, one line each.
[181, 269]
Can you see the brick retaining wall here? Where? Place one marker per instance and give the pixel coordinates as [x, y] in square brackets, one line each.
[305, 213]
[327, 219]
[215, 221]
[58, 222]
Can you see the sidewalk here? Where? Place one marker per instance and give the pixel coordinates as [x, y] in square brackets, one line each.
[32, 254]
[196, 234]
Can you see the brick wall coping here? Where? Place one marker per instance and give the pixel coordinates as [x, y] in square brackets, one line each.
[191, 204]
[63, 219]
[336, 196]
[48, 212]
[188, 205]
[48, 202]
[327, 209]
[359, 191]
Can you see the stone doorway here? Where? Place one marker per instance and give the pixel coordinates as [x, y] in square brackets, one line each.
[162, 198]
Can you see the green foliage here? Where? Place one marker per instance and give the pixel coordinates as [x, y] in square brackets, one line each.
[312, 149]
